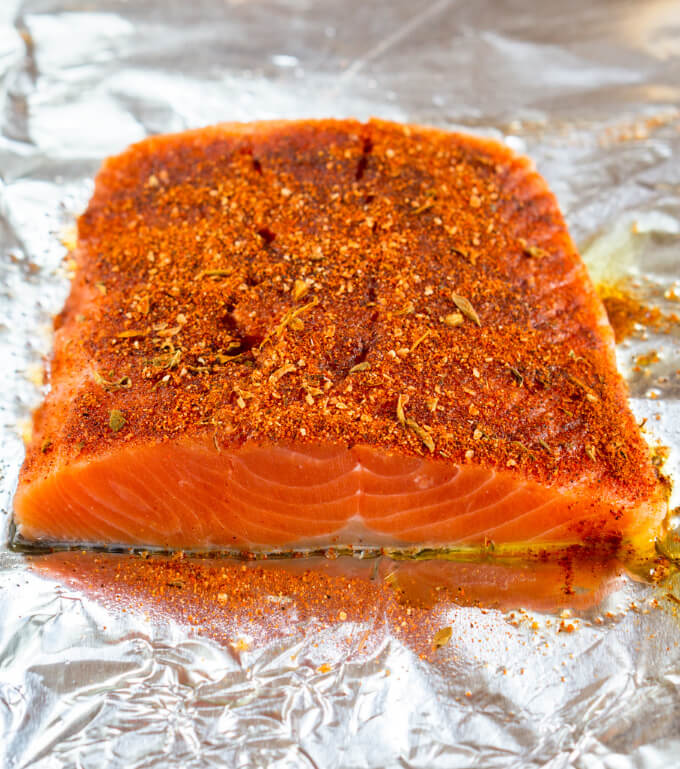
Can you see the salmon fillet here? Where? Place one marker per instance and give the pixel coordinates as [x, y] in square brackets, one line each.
[294, 335]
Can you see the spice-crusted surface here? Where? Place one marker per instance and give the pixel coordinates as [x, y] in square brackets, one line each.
[338, 282]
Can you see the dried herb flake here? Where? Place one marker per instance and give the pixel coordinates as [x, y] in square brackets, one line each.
[131, 333]
[287, 368]
[519, 378]
[424, 436]
[421, 338]
[401, 418]
[466, 308]
[363, 366]
[534, 251]
[112, 384]
[116, 420]
[442, 637]
[288, 317]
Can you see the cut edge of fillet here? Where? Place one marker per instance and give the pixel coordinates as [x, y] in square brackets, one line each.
[188, 495]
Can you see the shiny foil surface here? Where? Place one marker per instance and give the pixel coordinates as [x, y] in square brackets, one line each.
[136, 660]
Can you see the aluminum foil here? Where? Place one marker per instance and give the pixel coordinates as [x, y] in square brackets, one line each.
[376, 663]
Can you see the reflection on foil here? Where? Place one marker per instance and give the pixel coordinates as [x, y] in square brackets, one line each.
[120, 661]
[275, 598]
[286, 662]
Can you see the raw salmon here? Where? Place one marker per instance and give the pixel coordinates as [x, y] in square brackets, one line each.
[308, 334]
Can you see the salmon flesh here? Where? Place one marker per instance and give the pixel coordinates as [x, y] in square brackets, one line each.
[312, 334]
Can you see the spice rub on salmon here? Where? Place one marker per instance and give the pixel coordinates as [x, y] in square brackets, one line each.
[324, 333]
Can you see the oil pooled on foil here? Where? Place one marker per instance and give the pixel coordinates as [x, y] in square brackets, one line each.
[112, 660]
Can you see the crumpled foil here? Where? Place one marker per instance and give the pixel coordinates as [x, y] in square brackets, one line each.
[115, 660]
